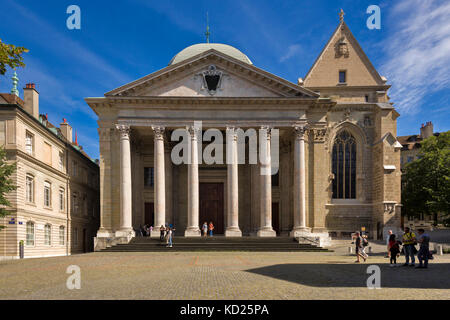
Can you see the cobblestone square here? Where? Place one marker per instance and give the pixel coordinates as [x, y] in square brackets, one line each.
[222, 275]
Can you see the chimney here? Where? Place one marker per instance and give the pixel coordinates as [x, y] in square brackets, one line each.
[426, 130]
[66, 130]
[31, 98]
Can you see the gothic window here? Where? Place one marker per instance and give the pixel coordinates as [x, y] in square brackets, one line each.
[344, 166]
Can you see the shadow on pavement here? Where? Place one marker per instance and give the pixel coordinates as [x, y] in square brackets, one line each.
[437, 276]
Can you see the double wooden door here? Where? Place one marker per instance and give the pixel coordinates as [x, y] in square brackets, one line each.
[212, 205]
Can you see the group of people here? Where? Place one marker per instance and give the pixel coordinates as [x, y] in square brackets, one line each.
[207, 227]
[395, 246]
[166, 234]
[409, 242]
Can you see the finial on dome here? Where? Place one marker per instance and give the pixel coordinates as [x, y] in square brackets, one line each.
[207, 33]
[341, 15]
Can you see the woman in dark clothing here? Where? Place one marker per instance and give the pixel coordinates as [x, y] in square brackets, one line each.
[162, 230]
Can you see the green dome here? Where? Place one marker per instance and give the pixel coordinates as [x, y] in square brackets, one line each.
[202, 47]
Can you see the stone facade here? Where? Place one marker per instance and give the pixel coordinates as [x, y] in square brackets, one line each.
[341, 92]
[51, 172]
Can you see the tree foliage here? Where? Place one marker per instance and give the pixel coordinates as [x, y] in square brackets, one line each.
[6, 183]
[426, 181]
[10, 56]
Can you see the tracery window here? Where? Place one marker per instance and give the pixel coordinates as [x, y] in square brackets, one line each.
[344, 166]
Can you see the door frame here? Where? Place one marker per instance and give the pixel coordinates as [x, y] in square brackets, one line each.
[217, 175]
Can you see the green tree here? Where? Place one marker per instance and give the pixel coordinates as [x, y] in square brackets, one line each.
[10, 56]
[426, 181]
[6, 183]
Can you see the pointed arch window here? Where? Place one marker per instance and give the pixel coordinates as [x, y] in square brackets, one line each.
[344, 166]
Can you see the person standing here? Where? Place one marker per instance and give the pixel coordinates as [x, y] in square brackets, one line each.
[162, 231]
[394, 250]
[358, 248]
[205, 229]
[170, 236]
[388, 244]
[211, 228]
[409, 242]
[424, 251]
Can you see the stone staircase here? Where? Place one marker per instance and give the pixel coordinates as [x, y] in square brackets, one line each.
[216, 243]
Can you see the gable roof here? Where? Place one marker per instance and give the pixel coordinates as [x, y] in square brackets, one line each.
[342, 28]
[282, 86]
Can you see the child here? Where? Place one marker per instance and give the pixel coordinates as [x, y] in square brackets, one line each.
[394, 249]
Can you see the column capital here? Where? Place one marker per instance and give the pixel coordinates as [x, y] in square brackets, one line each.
[300, 131]
[232, 131]
[159, 132]
[193, 131]
[123, 129]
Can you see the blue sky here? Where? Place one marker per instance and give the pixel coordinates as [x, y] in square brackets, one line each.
[120, 41]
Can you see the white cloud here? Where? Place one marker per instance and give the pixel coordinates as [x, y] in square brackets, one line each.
[291, 52]
[418, 52]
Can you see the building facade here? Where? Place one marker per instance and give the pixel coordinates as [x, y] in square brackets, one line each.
[411, 152]
[339, 159]
[55, 208]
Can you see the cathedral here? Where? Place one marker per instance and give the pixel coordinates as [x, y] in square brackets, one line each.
[331, 136]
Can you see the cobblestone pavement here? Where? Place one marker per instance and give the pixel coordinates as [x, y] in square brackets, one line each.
[222, 275]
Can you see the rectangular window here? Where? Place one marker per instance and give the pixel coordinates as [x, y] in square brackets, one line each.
[30, 188]
[62, 235]
[48, 235]
[47, 194]
[61, 161]
[342, 77]
[148, 177]
[29, 143]
[75, 203]
[74, 168]
[61, 200]
[30, 233]
[75, 237]
[47, 153]
[2, 133]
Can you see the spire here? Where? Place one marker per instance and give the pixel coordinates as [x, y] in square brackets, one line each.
[15, 81]
[341, 15]
[207, 33]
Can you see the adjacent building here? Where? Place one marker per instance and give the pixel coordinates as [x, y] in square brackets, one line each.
[336, 136]
[411, 152]
[55, 209]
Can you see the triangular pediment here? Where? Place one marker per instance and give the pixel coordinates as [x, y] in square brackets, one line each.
[342, 53]
[212, 73]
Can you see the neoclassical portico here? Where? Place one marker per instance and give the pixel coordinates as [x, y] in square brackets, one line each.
[336, 163]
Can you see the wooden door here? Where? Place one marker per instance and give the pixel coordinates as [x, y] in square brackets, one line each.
[211, 205]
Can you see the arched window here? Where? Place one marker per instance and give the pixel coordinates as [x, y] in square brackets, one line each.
[344, 166]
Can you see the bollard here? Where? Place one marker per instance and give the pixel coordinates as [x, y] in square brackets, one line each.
[21, 249]
[350, 250]
[370, 249]
[439, 250]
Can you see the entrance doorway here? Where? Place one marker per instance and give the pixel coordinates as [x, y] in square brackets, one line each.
[149, 214]
[211, 205]
[276, 217]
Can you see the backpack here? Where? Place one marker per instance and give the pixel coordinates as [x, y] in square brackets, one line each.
[365, 242]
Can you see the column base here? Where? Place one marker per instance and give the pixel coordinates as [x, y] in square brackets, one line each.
[266, 232]
[155, 233]
[124, 235]
[319, 239]
[192, 232]
[233, 232]
[300, 231]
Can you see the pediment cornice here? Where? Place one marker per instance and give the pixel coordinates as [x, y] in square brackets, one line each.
[263, 78]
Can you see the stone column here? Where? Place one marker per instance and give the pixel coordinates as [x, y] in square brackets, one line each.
[265, 229]
[193, 229]
[160, 186]
[232, 229]
[126, 228]
[299, 183]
